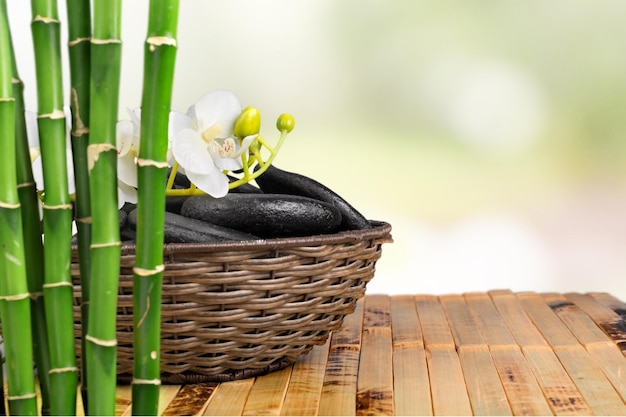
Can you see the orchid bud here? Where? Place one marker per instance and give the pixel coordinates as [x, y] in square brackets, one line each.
[248, 122]
[285, 123]
[255, 147]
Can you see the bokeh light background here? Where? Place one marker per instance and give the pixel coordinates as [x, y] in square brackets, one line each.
[489, 133]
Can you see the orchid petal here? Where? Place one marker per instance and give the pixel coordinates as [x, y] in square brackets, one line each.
[125, 194]
[124, 137]
[227, 162]
[190, 150]
[71, 186]
[38, 173]
[245, 144]
[215, 184]
[127, 170]
[178, 122]
[217, 107]
[32, 129]
[37, 168]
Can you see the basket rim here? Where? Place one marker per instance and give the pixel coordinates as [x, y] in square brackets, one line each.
[380, 229]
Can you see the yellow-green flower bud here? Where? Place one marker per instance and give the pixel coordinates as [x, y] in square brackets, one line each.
[248, 122]
[255, 147]
[285, 123]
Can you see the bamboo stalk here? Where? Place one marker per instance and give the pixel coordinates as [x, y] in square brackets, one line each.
[14, 296]
[57, 208]
[101, 343]
[79, 35]
[31, 227]
[159, 58]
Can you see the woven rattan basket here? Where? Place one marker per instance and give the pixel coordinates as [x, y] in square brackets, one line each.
[238, 309]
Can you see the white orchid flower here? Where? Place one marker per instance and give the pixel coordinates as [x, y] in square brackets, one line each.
[127, 143]
[205, 146]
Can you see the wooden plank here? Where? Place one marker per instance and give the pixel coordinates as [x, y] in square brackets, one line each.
[606, 318]
[305, 386]
[410, 372]
[268, 394]
[411, 382]
[167, 393]
[123, 399]
[591, 381]
[524, 395]
[562, 394]
[464, 329]
[375, 381]
[576, 320]
[550, 326]
[342, 369]
[610, 360]
[405, 323]
[483, 383]
[229, 398]
[449, 393]
[435, 328]
[492, 327]
[350, 331]
[191, 400]
[610, 301]
[516, 319]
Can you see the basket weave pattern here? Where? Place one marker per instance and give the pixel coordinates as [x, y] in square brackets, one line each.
[238, 309]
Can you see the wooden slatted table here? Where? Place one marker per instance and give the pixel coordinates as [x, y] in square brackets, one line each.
[478, 353]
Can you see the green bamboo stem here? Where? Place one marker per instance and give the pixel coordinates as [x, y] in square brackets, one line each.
[57, 208]
[159, 59]
[79, 46]
[101, 343]
[14, 295]
[32, 231]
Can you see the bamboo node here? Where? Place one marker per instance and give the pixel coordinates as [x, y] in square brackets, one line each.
[15, 80]
[94, 151]
[9, 205]
[138, 381]
[150, 162]
[84, 220]
[7, 99]
[26, 184]
[45, 19]
[35, 295]
[49, 285]
[101, 342]
[76, 41]
[22, 396]
[62, 370]
[78, 132]
[105, 245]
[54, 115]
[143, 272]
[15, 297]
[156, 41]
[105, 41]
[57, 207]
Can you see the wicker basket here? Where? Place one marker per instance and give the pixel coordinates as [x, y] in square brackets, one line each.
[238, 309]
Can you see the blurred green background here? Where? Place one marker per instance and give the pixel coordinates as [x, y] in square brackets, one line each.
[490, 133]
